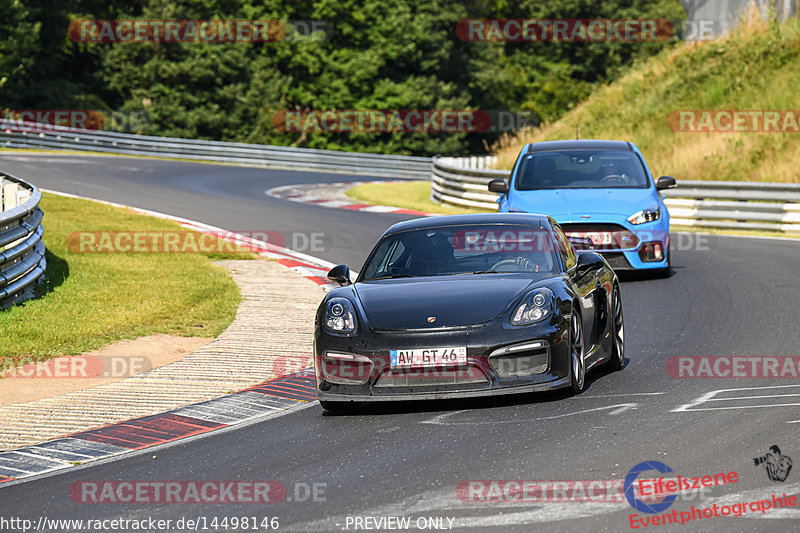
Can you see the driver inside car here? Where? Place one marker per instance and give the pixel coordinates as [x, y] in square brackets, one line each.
[431, 255]
[521, 256]
[515, 262]
[613, 173]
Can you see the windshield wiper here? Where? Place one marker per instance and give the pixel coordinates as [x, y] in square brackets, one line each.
[391, 276]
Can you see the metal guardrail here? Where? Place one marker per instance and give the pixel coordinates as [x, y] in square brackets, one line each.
[453, 184]
[733, 205]
[22, 260]
[472, 161]
[16, 134]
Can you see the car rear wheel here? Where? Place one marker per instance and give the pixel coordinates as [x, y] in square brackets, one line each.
[577, 363]
[617, 332]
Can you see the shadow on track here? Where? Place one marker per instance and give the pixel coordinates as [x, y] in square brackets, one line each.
[459, 404]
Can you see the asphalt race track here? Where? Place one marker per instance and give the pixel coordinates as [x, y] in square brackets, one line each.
[727, 297]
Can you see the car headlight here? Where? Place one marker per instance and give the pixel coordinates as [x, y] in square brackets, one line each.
[340, 316]
[645, 215]
[535, 306]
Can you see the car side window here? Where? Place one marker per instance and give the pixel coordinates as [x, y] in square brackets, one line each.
[565, 249]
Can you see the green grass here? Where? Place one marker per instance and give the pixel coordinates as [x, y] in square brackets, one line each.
[755, 68]
[407, 195]
[91, 299]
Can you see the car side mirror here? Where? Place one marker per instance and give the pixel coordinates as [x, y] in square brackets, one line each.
[580, 243]
[666, 182]
[588, 261]
[340, 274]
[498, 185]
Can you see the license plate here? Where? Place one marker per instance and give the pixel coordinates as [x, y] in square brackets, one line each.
[592, 239]
[428, 357]
[601, 238]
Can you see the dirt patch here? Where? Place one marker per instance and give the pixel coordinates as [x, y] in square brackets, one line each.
[115, 362]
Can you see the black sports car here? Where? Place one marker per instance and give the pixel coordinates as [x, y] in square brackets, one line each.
[467, 305]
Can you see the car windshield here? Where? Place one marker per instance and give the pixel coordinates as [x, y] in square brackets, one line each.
[456, 250]
[581, 169]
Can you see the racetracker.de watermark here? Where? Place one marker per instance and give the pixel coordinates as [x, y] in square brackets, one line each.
[80, 120]
[75, 367]
[186, 241]
[565, 30]
[732, 367]
[561, 491]
[183, 492]
[197, 31]
[586, 30]
[403, 120]
[734, 120]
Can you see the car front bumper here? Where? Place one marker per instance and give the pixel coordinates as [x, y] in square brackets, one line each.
[539, 360]
[626, 257]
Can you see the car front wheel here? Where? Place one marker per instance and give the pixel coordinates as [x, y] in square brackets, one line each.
[617, 332]
[577, 363]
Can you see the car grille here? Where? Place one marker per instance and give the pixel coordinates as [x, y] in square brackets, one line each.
[521, 363]
[617, 261]
[600, 237]
[432, 377]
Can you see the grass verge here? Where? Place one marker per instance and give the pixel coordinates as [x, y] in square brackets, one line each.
[756, 67]
[91, 299]
[407, 195]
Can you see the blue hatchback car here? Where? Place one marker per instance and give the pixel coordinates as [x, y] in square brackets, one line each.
[601, 193]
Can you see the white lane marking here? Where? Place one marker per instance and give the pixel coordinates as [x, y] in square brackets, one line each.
[762, 493]
[620, 395]
[56, 462]
[380, 209]
[441, 419]
[740, 407]
[333, 203]
[755, 397]
[712, 397]
[7, 469]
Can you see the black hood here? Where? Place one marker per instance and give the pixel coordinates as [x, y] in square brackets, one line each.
[458, 300]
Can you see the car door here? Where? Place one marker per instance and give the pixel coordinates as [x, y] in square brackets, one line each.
[586, 288]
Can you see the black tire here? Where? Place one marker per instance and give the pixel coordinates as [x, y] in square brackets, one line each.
[617, 332]
[577, 364]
